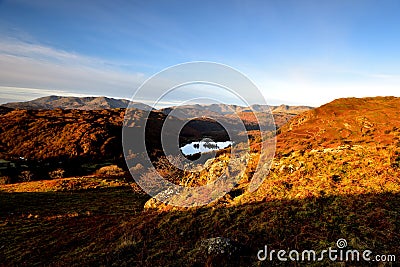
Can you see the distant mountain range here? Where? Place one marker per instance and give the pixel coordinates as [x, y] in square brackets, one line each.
[89, 127]
[186, 111]
[226, 111]
[68, 102]
[96, 134]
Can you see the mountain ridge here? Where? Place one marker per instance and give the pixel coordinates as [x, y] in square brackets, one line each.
[103, 102]
[73, 102]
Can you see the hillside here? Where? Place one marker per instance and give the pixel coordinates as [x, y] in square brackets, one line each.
[86, 134]
[354, 121]
[77, 142]
[61, 134]
[325, 183]
[344, 147]
[348, 146]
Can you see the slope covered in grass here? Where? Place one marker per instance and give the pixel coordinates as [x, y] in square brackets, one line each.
[322, 186]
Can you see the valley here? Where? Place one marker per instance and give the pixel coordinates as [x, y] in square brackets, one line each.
[335, 175]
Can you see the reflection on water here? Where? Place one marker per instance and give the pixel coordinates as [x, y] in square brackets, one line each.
[203, 146]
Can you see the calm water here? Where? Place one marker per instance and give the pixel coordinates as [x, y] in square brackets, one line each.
[196, 147]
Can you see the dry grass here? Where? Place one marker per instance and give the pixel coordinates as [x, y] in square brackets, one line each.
[325, 183]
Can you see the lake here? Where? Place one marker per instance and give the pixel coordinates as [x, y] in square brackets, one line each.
[203, 146]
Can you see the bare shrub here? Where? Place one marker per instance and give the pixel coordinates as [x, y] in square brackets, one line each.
[5, 180]
[26, 176]
[57, 173]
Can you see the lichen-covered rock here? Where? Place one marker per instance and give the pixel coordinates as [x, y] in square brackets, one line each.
[161, 200]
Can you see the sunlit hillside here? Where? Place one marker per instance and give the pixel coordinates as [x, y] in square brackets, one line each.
[335, 175]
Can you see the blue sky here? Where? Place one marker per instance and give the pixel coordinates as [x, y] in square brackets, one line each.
[296, 52]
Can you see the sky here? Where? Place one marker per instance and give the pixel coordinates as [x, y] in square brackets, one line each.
[295, 52]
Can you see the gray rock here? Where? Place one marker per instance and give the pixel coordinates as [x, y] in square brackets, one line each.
[219, 246]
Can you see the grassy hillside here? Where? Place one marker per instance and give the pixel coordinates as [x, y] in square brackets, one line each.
[109, 227]
[335, 175]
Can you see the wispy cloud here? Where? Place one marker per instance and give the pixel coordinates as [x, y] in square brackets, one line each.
[29, 70]
[38, 67]
[17, 94]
